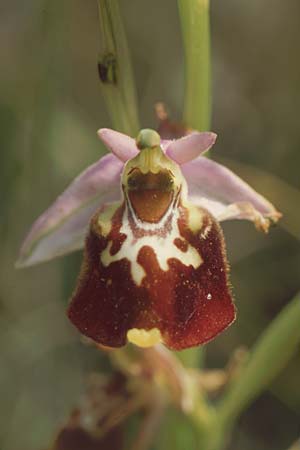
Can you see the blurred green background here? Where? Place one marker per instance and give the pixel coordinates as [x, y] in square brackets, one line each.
[51, 107]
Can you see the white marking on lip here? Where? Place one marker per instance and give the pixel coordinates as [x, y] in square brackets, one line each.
[163, 246]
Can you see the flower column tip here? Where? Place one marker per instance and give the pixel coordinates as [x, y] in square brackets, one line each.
[147, 138]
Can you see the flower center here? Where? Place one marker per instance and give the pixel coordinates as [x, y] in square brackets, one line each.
[150, 194]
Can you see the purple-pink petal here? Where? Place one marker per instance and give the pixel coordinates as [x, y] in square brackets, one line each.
[121, 145]
[62, 227]
[190, 147]
[225, 195]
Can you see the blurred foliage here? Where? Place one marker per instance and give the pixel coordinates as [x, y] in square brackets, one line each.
[51, 107]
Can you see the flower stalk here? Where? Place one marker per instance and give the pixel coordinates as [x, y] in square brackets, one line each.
[194, 18]
[115, 70]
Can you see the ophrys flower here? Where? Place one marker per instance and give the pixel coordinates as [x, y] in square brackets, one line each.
[154, 266]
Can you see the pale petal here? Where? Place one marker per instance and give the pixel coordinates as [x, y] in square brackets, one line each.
[189, 147]
[225, 195]
[61, 228]
[121, 145]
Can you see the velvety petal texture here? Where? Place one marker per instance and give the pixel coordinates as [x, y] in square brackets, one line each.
[188, 305]
[63, 226]
[155, 267]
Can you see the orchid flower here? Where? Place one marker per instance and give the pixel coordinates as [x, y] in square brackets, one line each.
[155, 267]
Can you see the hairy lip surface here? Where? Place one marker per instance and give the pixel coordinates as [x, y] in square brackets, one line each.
[145, 286]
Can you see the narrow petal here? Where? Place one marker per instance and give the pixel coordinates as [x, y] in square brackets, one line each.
[62, 227]
[190, 147]
[121, 145]
[225, 195]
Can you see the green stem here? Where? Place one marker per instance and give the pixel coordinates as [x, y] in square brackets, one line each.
[192, 357]
[115, 69]
[194, 17]
[270, 355]
[203, 416]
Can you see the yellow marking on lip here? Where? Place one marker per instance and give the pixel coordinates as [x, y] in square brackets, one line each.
[195, 217]
[104, 220]
[144, 338]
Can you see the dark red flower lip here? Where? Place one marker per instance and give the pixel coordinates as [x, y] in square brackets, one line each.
[181, 305]
[155, 267]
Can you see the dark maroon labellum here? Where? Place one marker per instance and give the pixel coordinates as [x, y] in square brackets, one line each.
[188, 305]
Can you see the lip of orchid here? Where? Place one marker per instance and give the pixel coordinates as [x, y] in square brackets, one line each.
[62, 227]
[155, 267]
